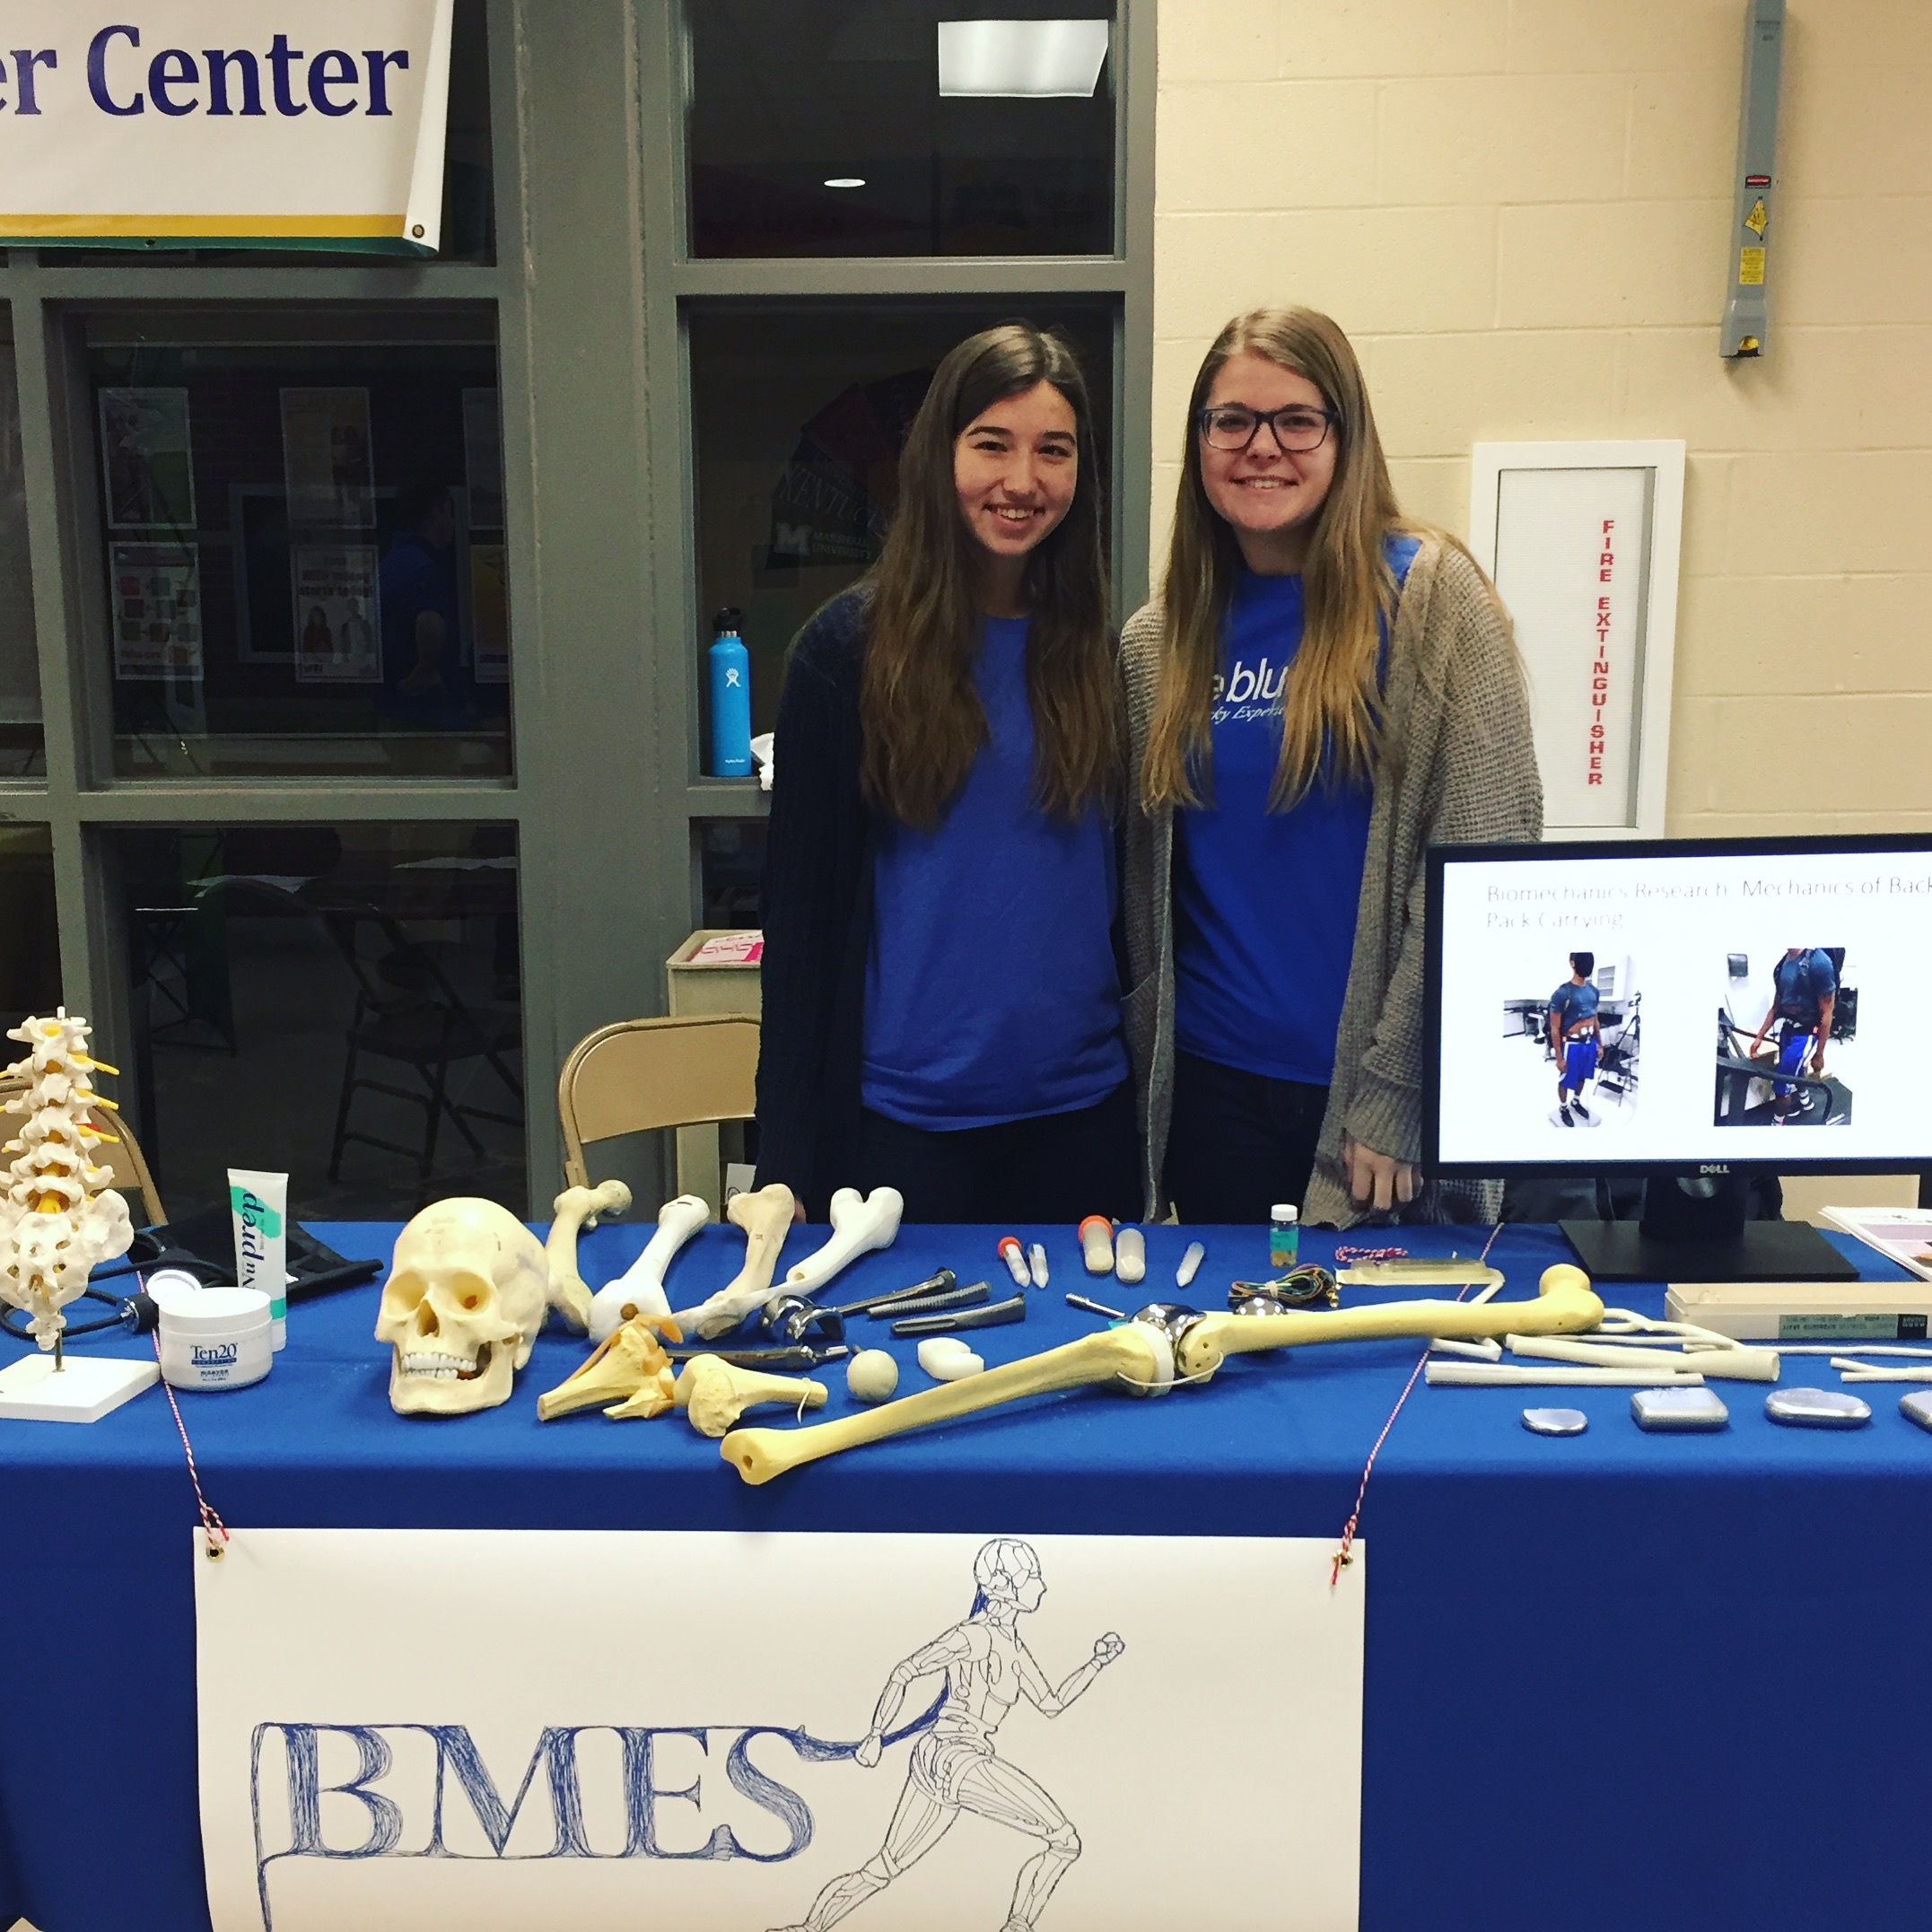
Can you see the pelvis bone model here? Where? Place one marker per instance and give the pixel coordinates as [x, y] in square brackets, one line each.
[59, 1214]
[1165, 1342]
[468, 1289]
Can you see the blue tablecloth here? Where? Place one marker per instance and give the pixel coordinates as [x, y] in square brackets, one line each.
[1612, 1679]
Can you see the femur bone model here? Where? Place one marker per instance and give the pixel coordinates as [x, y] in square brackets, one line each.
[59, 1215]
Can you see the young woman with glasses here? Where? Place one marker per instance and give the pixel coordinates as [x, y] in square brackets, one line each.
[1323, 689]
[941, 982]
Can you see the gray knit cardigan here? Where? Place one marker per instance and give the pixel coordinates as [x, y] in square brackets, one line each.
[1457, 766]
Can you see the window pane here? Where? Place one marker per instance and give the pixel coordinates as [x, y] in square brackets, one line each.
[30, 943]
[304, 558]
[798, 413]
[792, 96]
[301, 994]
[21, 750]
[731, 862]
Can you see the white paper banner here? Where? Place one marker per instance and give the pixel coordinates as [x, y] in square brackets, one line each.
[225, 121]
[500, 1729]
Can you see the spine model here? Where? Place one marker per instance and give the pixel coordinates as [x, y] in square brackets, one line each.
[59, 1215]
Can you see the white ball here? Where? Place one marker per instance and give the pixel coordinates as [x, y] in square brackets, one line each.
[871, 1376]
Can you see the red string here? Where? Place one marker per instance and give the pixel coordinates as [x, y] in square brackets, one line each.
[1343, 1558]
[212, 1525]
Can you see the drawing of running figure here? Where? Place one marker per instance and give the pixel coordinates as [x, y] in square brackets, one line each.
[988, 1669]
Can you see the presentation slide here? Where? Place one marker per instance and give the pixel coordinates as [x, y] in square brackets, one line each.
[1674, 1010]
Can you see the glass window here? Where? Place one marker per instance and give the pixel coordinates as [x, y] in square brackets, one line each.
[900, 126]
[30, 941]
[799, 412]
[341, 1004]
[303, 557]
[730, 862]
[21, 754]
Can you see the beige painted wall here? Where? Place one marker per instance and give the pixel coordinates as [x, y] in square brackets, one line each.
[1519, 209]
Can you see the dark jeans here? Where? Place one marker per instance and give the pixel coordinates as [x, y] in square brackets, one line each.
[1238, 1142]
[1053, 1168]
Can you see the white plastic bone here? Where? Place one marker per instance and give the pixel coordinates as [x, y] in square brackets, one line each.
[640, 1289]
[1489, 1350]
[1729, 1365]
[1510, 1375]
[467, 1290]
[714, 1393]
[1854, 1371]
[1130, 1256]
[574, 1209]
[59, 1214]
[871, 1376]
[946, 1359]
[765, 1217]
[860, 1226]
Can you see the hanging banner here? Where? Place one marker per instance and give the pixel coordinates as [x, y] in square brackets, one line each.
[609, 1729]
[224, 121]
[1582, 540]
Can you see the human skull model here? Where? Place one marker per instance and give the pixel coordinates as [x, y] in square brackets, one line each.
[58, 1212]
[468, 1291]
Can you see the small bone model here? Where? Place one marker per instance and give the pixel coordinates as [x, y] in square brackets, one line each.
[860, 1226]
[640, 1289]
[574, 1209]
[59, 1214]
[468, 1289]
[714, 1394]
[1097, 1244]
[1624, 1350]
[1163, 1343]
[628, 1370]
[765, 1217]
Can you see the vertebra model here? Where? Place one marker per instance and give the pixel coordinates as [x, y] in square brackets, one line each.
[60, 1214]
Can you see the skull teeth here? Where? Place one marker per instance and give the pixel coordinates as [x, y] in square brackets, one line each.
[444, 1367]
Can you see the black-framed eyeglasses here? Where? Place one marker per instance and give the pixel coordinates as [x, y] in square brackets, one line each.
[1297, 429]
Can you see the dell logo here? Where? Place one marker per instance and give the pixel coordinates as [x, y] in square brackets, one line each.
[1713, 1170]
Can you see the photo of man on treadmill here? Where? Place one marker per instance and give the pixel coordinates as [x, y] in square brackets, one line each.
[1574, 1033]
[1803, 995]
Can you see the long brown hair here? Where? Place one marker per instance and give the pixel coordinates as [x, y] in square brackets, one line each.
[919, 710]
[1331, 707]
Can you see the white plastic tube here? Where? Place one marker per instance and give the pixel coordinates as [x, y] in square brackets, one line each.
[1509, 1374]
[258, 1205]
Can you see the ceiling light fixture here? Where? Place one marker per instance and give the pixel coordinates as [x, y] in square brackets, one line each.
[845, 180]
[1029, 58]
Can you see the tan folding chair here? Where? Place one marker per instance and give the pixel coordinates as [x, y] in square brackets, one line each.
[642, 1075]
[121, 1157]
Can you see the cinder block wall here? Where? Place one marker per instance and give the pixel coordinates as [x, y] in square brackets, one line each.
[1520, 211]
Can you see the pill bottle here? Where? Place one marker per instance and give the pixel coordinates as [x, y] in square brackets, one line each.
[1284, 1236]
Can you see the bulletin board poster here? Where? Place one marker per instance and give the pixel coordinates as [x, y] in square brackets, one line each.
[147, 459]
[155, 597]
[327, 463]
[396, 1731]
[489, 613]
[338, 614]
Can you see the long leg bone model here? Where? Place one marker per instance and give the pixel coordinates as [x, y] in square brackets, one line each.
[1165, 1342]
[574, 1209]
[640, 1289]
[860, 1225]
[767, 1219]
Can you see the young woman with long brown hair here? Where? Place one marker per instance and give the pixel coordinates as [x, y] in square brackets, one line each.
[1324, 689]
[940, 980]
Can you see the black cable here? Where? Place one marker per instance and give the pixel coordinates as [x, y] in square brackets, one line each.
[137, 1313]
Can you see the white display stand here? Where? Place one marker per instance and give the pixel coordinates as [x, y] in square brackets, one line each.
[86, 1389]
[1582, 539]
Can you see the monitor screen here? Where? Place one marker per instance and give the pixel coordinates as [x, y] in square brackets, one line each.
[1678, 1004]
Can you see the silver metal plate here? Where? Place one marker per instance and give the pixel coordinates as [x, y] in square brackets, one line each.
[1817, 1408]
[1555, 1421]
[1917, 1407]
[1678, 1408]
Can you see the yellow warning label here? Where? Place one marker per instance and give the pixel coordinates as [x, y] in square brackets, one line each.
[1750, 267]
[1757, 220]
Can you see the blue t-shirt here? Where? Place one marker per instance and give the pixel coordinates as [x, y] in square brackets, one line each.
[1803, 984]
[416, 577]
[991, 989]
[1572, 1004]
[1264, 902]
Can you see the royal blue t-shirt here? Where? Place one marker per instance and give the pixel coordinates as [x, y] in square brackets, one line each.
[1572, 1004]
[991, 989]
[1264, 902]
[1803, 984]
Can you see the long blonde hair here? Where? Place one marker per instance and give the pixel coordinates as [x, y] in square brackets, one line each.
[1331, 702]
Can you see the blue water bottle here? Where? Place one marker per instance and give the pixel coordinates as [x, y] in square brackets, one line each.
[730, 699]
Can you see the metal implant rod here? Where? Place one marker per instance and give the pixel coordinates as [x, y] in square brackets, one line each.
[994, 1314]
[952, 1298]
[933, 1284]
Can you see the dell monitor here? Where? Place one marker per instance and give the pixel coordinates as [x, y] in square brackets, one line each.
[1690, 1011]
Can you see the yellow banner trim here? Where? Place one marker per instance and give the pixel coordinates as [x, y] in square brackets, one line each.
[263, 227]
